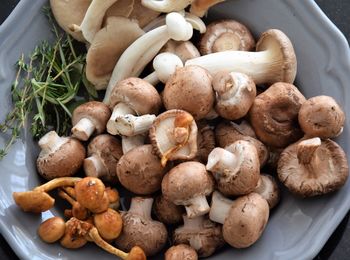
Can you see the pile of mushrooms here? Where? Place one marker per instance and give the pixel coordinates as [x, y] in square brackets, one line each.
[205, 140]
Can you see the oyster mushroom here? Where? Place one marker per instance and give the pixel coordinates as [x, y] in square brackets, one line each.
[268, 189]
[174, 136]
[121, 8]
[181, 251]
[243, 219]
[201, 7]
[188, 184]
[166, 6]
[322, 117]
[140, 229]
[185, 50]
[274, 60]
[236, 168]
[52, 229]
[313, 167]
[274, 115]
[226, 35]
[166, 211]
[142, 14]
[89, 118]
[201, 234]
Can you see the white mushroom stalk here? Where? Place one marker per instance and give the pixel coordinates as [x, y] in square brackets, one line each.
[166, 6]
[120, 110]
[220, 207]
[130, 142]
[196, 206]
[144, 49]
[306, 150]
[130, 125]
[142, 207]
[51, 142]
[83, 129]
[222, 162]
[94, 167]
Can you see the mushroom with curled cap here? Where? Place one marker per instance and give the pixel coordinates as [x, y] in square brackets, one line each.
[243, 219]
[166, 211]
[188, 184]
[181, 251]
[268, 189]
[185, 50]
[321, 116]
[274, 60]
[274, 115]
[140, 229]
[166, 6]
[236, 168]
[201, 234]
[174, 136]
[201, 7]
[226, 35]
[313, 167]
[89, 118]
[104, 152]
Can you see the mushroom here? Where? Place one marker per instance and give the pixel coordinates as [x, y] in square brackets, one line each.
[166, 211]
[243, 219]
[113, 198]
[142, 14]
[174, 136]
[130, 142]
[226, 35]
[189, 89]
[133, 96]
[236, 168]
[108, 223]
[140, 170]
[229, 132]
[235, 94]
[78, 211]
[274, 115]
[38, 200]
[201, 234]
[166, 6]
[59, 156]
[273, 61]
[313, 167]
[140, 229]
[145, 48]
[89, 118]
[52, 229]
[121, 8]
[205, 141]
[104, 152]
[322, 117]
[200, 7]
[268, 189]
[107, 46]
[188, 184]
[181, 251]
[185, 50]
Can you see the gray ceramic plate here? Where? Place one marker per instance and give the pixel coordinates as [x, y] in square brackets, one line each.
[297, 229]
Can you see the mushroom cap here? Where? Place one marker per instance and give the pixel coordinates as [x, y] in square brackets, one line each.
[185, 181]
[140, 170]
[185, 50]
[280, 46]
[108, 45]
[327, 171]
[96, 111]
[166, 211]
[138, 94]
[142, 14]
[226, 35]
[121, 8]
[205, 141]
[75, 233]
[268, 188]
[246, 220]
[63, 162]
[109, 150]
[67, 12]
[163, 136]
[35, 201]
[322, 117]
[181, 251]
[189, 89]
[109, 224]
[274, 115]
[52, 229]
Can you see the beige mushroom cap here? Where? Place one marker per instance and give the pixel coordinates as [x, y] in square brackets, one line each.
[138, 94]
[140, 170]
[189, 89]
[268, 188]
[322, 117]
[185, 50]
[142, 14]
[166, 211]
[311, 167]
[274, 115]
[226, 35]
[181, 251]
[121, 8]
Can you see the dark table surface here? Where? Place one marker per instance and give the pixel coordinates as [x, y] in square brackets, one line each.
[338, 246]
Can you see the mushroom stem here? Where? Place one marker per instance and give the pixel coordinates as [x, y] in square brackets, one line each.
[94, 167]
[200, 7]
[152, 78]
[193, 223]
[119, 110]
[51, 142]
[130, 125]
[306, 150]
[78, 211]
[166, 6]
[197, 206]
[130, 142]
[142, 207]
[221, 161]
[83, 129]
[220, 207]
[58, 182]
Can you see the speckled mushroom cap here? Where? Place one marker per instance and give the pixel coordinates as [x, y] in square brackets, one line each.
[205, 141]
[322, 117]
[166, 211]
[246, 220]
[311, 167]
[226, 35]
[181, 251]
[274, 115]
[140, 170]
[189, 89]
[268, 188]
[138, 94]
[95, 111]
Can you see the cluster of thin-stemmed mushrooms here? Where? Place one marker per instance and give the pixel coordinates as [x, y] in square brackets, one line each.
[197, 128]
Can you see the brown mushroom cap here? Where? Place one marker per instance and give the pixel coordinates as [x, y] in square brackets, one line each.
[138, 94]
[205, 140]
[166, 211]
[311, 167]
[75, 234]
[322, 117]
[181, 251]
[52, 229]
[274, 115]
[189, 89]
[121, 8]
[140, 170]
[268, 188]
[226, 35]
[35, 201]
[246, 221]
[108, 223]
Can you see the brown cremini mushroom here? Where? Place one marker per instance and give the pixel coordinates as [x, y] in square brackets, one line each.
[313, 167]
[181, 251]
[268, 189]
[166, 211]
[52, 229]
[205, 141]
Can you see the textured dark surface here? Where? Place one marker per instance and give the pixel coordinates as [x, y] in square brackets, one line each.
[338, 246]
